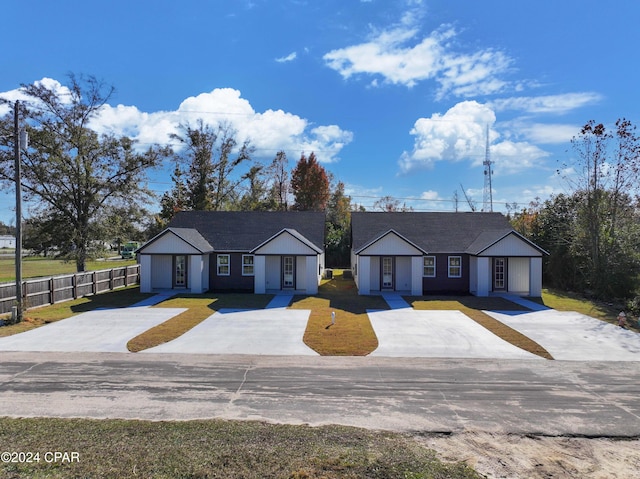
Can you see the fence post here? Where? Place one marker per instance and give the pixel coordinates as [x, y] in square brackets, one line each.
[94, 280]
[126, 276]
[52, 290]
[74, 283]
[111, 279]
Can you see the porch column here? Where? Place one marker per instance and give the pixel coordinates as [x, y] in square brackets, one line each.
[416, 275]
[483, 276]
[145, 274]
[259, 274]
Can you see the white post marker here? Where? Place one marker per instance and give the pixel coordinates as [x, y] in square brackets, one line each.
[333, 317]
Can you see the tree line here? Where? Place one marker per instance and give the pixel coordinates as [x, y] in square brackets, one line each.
[84, 189]
[592, 233]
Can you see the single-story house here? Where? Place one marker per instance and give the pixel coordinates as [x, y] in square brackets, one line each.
[252, 251]
[7, 241]
[427, 253]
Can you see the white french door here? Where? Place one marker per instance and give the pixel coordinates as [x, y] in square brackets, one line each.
[387, 272]
[499, 274]
[288, 272]
[180, 280]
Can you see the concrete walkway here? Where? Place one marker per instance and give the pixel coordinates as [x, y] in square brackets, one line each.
[395, 301]
[103, 330]
[274, 331]
[438, 334]
[280, 300]
[569, 335]
[533, 306]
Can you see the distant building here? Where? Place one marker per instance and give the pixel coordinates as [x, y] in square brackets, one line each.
[7, 241]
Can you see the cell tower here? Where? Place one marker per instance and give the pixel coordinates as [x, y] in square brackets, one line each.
[487, 199]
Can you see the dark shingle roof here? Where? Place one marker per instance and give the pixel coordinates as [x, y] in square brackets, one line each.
[244, 230]
[433, 232]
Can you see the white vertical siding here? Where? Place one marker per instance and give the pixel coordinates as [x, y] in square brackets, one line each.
[145, 274]
[416, 275]
[365, 274]
[374, 273]
[195, 273]
[535, 278]
[518, 271]
[259, 274]
[170, 243]
[312, 273]
[301, 272]
[162, 271]
[403, 273]
[483, 275]
[272, 272]
[284, 244]
[391, 245]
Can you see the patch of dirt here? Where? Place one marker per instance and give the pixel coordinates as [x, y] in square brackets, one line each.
[535, 457]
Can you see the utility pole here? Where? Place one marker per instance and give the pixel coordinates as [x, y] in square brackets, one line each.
[18, 181]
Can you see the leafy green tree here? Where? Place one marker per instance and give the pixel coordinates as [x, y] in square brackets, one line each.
[309, 184]
[338, 227]
[211, 156]
[257, 197]
[71, 171]
[279, 174]
[610, 163]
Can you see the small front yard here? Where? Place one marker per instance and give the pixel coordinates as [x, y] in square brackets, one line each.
[352, 333]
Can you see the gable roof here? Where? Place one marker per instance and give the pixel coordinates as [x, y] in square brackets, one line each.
[294, 234]
[245, 230]
[189, 235]
[384, 235]
[433, 232]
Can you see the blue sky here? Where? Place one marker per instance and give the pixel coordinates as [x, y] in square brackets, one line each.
[394, 97]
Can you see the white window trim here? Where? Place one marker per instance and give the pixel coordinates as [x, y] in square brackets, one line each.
[228, 265]
[424, 266]
[452, 266]
[252, 265]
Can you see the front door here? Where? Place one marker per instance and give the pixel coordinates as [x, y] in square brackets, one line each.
[180, 272]
[499, 274]
[387, 272]
[288, 272]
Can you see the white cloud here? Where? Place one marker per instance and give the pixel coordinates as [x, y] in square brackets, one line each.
[549, 133]
[400, 56]
[269, 131]
[289, 58]
[460, 135]
[547, 104]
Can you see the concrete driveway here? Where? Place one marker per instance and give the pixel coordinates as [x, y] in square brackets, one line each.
[275, 331]
[438, 334]
[104, 330]
[568, 335]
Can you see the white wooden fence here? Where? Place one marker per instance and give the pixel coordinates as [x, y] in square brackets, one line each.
[54, 289]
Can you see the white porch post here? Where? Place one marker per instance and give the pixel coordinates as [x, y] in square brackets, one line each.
[483, 276]
[145, 273]
[259, 274]
[416, 275]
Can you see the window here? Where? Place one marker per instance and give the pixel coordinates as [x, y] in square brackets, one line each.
[455, 266]
[223, 265]
[247, 265]
[429, 270]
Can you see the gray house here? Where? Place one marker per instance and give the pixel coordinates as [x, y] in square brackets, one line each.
[426, 253]
[236, 251]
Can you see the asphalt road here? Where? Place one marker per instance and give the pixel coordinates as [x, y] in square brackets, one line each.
[589, 399]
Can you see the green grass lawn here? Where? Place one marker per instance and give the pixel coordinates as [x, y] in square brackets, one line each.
[214, 448]
[33, 267]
